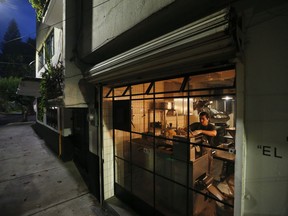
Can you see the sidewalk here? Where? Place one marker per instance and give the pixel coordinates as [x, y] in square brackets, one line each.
[33, 181]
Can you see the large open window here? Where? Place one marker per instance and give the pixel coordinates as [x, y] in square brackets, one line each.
[158, 162]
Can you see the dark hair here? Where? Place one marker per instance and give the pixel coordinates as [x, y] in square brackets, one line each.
[204, 114]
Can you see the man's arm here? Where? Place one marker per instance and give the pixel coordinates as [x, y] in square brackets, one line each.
[211, 133]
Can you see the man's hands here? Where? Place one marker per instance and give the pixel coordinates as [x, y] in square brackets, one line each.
[205, 132]
[196, 132]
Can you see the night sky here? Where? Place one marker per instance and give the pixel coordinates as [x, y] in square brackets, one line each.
[24, 15]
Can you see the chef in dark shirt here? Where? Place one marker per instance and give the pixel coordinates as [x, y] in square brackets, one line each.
[203, 127]
[208, 130]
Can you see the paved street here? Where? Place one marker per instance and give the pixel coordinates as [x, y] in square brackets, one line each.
[15, 117]
[33, 181]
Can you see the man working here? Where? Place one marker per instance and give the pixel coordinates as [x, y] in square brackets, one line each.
[205, 128]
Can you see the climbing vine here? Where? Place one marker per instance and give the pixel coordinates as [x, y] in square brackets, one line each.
[38, 5]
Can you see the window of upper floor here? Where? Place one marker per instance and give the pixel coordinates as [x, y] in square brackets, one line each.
[49, 44]
[47, 51]
[41, 58]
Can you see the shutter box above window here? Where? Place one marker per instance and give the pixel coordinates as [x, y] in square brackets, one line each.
[208, 40]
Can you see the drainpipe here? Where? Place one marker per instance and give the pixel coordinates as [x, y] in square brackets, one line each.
[60, 142]
[59, 110]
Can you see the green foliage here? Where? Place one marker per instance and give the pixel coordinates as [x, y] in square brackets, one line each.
[51, 85]
[8, 97]
[8, 87]
[38, 5]
[9, 100]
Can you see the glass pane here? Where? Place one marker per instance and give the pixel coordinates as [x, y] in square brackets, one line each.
[170, 115]
[41, 58]
[222, 164]
[173, 95]
[158, 113]
[211, 92]
[122, 98]
[123, 173]
[139, 89]
[142, 185]
[140, 111]
[206, 205]
[119, 91]
[179, 170]
[144, 96]
[170, 198]
[200, 164]
[216, 107]
[50, 45]
[107, 92]
[212, 80]
[171, 85]
[122, 144]
[163, 158]
[201, 205]
[142, 152]
[181, 106]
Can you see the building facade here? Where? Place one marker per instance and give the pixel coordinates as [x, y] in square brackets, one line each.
[138, 73]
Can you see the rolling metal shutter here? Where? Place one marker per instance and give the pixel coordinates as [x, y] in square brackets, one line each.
[190, 48]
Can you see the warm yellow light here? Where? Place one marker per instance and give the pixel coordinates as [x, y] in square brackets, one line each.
[227, 98]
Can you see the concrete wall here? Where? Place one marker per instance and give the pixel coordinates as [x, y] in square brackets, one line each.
[266, 116]
[65, 40]
[111, 18]
[51, 138]
[73, 97]
[109, 28]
